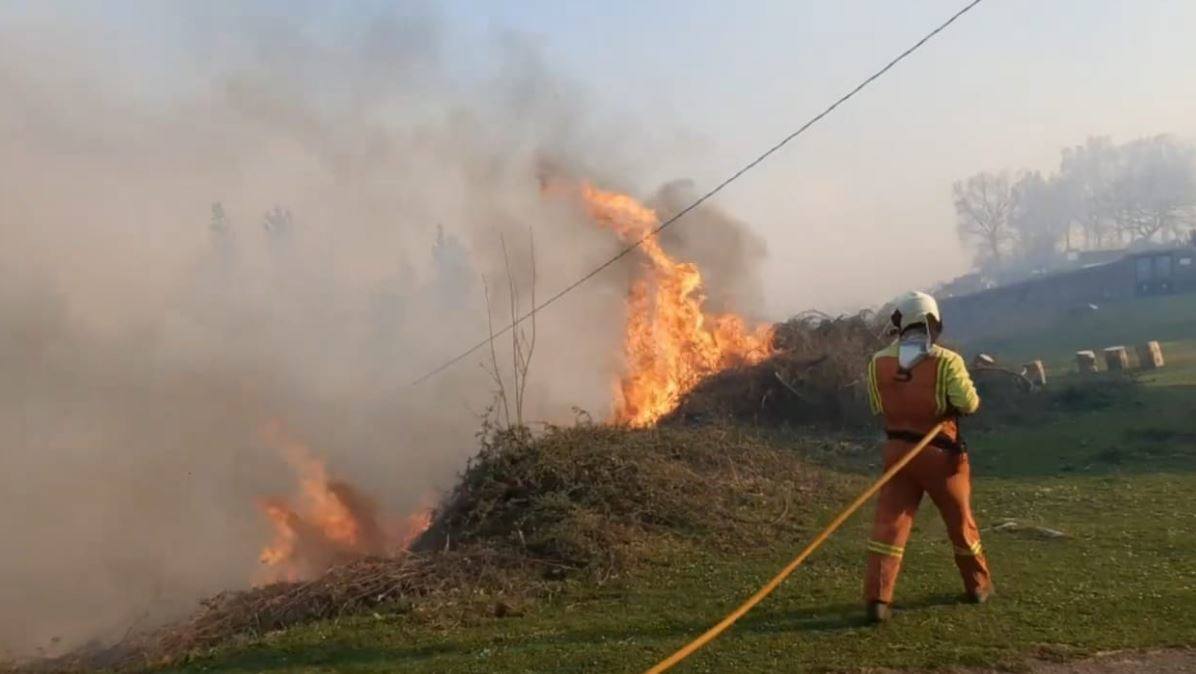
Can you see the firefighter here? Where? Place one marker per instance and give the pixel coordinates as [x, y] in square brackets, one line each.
[914, 384]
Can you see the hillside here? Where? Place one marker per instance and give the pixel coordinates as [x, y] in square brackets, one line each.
[631, 541]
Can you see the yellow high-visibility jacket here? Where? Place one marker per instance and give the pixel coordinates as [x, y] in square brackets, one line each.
[938, 388]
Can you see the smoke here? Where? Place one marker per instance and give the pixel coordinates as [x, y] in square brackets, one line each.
[272, 221]
[727, 251]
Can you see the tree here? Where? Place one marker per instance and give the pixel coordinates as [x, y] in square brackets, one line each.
[1153, 190]
[1085, 174]
[453, 280]
[219, 224]
[506, 412]
[1039, 218]
[220, 231]
[983, 204]
[278, 223]
[1139, 192]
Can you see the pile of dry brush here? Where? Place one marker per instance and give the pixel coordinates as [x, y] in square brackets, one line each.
[816, 377]
[529, 515]
[587, 496]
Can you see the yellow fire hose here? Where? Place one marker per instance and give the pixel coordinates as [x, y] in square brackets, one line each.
[712, 633]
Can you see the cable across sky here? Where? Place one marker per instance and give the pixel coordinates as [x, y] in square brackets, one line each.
[702, 199]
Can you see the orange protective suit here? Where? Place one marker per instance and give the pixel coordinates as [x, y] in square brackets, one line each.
[937, 388]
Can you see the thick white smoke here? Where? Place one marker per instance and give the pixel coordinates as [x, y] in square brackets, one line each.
[278, 221]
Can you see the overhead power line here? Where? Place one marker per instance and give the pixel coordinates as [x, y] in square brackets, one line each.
[702, 199]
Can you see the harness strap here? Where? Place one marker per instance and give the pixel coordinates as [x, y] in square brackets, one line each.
[941, 441]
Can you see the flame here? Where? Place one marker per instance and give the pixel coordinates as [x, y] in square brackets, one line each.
[670, 343]
[330, 521]
[410, 527]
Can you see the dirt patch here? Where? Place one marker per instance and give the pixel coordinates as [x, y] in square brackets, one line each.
[1161, 662]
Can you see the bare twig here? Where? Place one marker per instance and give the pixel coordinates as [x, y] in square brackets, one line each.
[495, 374]
[530, 345]
[523, 347]
[516, 351]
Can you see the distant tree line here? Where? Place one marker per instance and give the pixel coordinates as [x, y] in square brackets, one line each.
[1103, 196]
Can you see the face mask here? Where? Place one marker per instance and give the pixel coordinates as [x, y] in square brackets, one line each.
[913, 347]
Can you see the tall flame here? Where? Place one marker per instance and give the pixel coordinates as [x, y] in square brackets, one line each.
[671, 343]
[330, 521]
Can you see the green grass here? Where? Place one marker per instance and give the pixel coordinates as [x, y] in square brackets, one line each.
[1119, 480]
[1168, 319]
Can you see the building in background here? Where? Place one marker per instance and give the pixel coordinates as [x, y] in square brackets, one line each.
[1091, 286]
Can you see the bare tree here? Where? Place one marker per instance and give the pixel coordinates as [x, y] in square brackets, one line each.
[453, 274]
[511, 396]
[1153, 192]
[278, 222]
[983, 205]
[1085, 173]
[221, 235]
[1137, 192]
[219, 224]
[502, 402]
[1039, 218]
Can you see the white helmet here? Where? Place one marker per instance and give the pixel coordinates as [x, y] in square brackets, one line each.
[915, 307]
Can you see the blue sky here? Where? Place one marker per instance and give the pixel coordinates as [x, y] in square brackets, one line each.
[1005, 87]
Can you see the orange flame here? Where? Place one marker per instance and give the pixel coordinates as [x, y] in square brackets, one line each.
[671, 343]
[331, 523]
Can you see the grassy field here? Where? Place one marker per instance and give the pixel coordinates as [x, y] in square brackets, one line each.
[1168, 319]
[1115, 474]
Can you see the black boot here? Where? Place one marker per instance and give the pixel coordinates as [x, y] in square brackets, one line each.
[878, 612]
